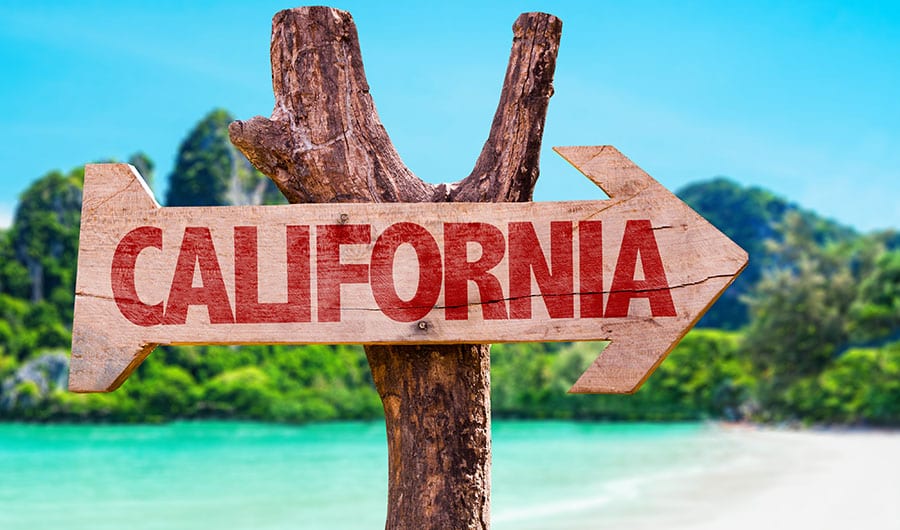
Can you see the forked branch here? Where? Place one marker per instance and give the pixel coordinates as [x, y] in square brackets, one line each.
[325, 143]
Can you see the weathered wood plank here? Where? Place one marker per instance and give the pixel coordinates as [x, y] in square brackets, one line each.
[397, 273]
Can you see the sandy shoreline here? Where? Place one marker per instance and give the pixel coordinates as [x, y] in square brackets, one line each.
[741, 477]
[786, 479]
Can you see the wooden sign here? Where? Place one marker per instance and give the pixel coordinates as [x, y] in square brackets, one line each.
[637, 270]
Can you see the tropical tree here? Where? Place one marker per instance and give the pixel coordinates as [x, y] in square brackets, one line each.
[210, 171]
[44, 240]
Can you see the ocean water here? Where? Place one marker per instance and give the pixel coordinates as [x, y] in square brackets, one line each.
[546, 475]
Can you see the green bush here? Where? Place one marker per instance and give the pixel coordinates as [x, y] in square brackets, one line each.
[243, 393]
[861, 387]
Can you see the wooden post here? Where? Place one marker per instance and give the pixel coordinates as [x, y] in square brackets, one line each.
[325, 143]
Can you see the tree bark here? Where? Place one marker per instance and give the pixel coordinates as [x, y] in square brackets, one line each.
[325, 143]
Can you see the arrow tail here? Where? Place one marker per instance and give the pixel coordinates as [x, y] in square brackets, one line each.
[101, 360]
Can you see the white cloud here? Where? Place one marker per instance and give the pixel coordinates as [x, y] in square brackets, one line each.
[6, 216]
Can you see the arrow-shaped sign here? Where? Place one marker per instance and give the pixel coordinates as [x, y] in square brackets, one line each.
[637, 270]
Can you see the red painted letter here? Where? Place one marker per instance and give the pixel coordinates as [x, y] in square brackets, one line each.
[459, 270]
[639, 239]
[197, 249]
[430, 271]
[526, 256]
[247, 307]
[590, 268]
[330, 272]
[122, 276]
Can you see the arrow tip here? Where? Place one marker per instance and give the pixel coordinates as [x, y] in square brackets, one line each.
[635, 352]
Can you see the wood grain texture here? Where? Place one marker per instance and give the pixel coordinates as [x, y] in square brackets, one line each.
[698, 264]
[324, 141]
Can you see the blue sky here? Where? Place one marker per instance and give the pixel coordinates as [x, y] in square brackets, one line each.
[802, 98]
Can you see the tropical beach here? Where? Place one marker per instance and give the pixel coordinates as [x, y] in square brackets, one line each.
[786, 479]
[547, 475]
[780, 409]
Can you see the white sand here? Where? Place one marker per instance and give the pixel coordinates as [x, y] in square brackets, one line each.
[787, 479]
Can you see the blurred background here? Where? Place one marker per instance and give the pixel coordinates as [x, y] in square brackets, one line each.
[777, 122]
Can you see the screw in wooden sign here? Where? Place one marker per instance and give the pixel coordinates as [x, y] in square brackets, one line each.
[424, 286]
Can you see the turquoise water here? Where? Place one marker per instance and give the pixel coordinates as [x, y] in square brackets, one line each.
[330, 476]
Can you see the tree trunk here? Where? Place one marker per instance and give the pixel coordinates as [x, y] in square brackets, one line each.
[325, 143]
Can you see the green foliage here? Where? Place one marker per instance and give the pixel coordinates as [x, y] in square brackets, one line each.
[37, 265]
[806, 311]
[863, 386]
[8, 365]
[166, 391]
[806, 314]
[752, 218]
[813, 325]
[15, 338]
[44, 241]
[875, 313]
[705, 376]
[210, 171]
[117, 407]
[243, 393]
[14, 279]
[702, 378]
[26, 328]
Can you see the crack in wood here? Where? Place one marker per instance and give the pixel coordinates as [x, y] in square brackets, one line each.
[551, 295]
[92, 208]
